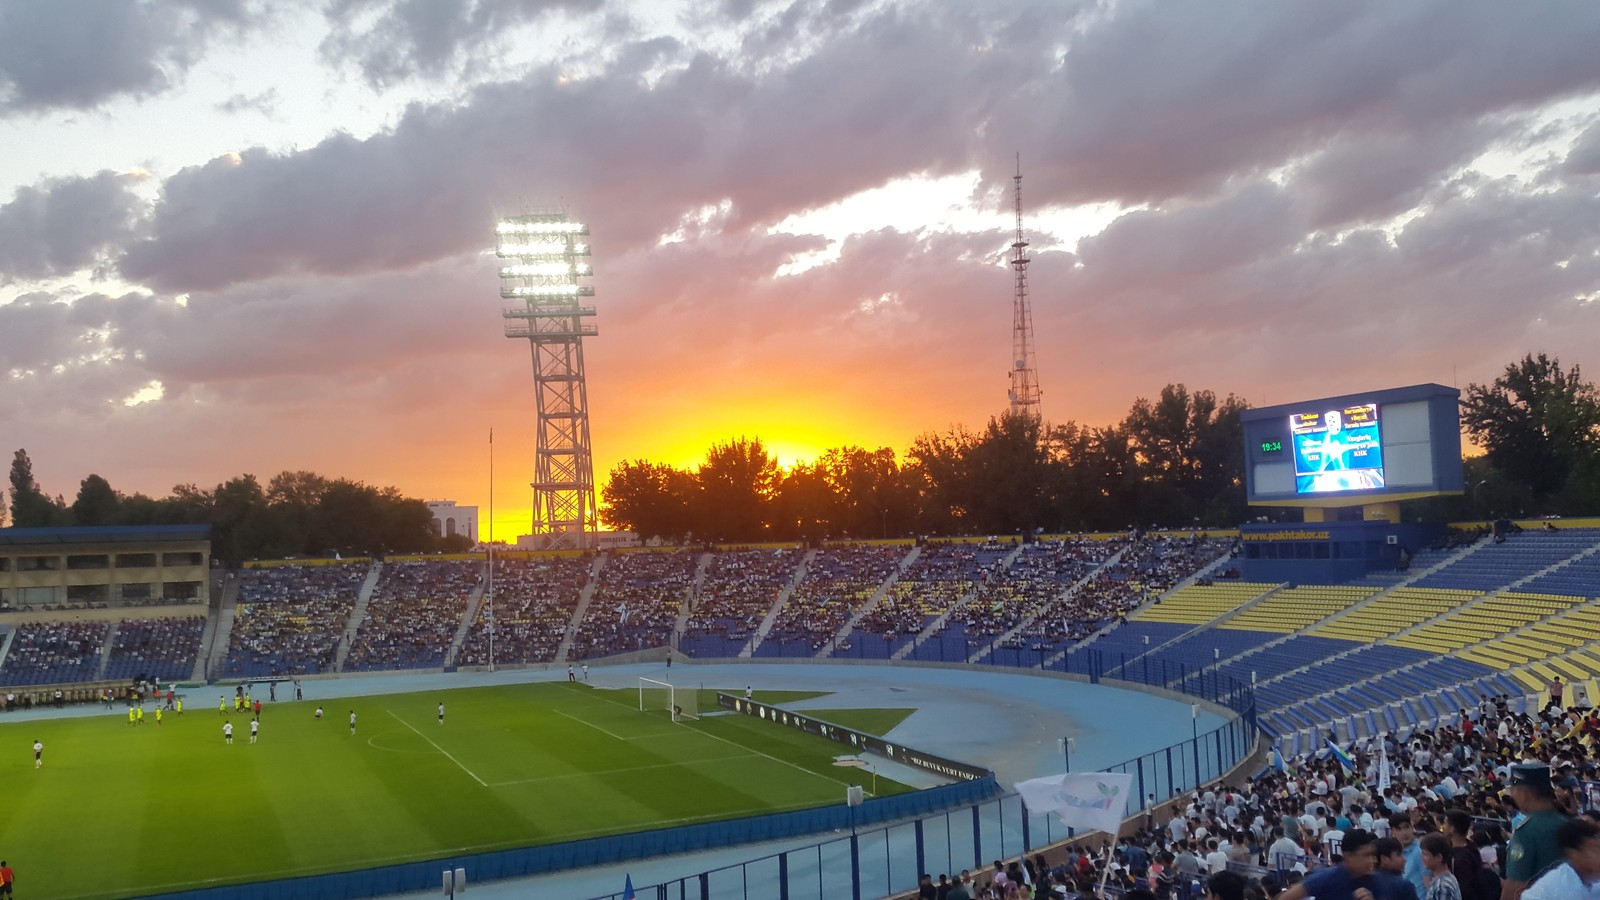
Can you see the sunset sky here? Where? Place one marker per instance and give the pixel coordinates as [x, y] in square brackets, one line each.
[252, 236]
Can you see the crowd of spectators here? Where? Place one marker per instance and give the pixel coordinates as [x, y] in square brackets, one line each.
[533, 604]
[289, 619]
[414, 614]
[55, 652]
[1147, 567]
[838, 581]
[1040, 574]
[164, 648]
[1507, 801]
[942, 575]
[739, 590]
[636, 603]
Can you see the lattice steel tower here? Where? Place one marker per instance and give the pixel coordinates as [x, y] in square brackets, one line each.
[1024, 391]
[543, 257]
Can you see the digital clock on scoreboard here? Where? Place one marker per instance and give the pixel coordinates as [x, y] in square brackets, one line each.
[1272, 446]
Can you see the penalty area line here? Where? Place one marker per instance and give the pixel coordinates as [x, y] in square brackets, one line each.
[446, 753]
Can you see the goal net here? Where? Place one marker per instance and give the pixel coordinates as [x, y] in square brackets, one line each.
[659, 696]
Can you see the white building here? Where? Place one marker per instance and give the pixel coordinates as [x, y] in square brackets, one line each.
[450, 520]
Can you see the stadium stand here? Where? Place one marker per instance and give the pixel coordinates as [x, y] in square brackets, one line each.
[837, 583]
[163, 649]
[636, 603]
[1281, 824]
[1012, 597]
[740, 589]
[533, 605]
[414, 614]
[942, 576]
[54, 653]
[289, 619]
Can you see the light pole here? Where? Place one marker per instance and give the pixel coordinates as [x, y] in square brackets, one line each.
[1475, 489]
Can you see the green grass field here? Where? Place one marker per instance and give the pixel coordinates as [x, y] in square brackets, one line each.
[120, 810]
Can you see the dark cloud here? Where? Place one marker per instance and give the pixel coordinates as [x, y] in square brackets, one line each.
[1302, 222]
[1154, 101]
[427, 38]
[629, 156]
[63, 225]
[265, 103]
[80, 54]
[1371, 176]
[1585, 156]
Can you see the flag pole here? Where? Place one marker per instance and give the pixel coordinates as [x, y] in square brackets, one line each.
[1105, 869]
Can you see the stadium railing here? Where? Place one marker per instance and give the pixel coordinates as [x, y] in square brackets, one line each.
[880, 862]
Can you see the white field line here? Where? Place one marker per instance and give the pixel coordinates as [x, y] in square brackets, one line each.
[446, 753]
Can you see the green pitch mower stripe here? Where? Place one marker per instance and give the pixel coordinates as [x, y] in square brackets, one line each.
[173, 807]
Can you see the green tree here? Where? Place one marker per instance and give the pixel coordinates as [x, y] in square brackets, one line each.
[738, 481]
[237, 519]
[649, 499]
[937, 467]
[30, 508]
[97, 503]
[873, 495]
[1539, 424]
[806, 505]
[1190, 453]
[1007, 469]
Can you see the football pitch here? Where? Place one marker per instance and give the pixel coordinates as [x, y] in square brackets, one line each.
[119, 810]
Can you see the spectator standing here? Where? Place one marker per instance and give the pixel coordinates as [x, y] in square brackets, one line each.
[1533, 848]
[1354, 872]
[1578, 877]
[1442, 883]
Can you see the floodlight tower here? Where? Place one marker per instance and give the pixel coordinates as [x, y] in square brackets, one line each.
[543, 257]
[1024, 392]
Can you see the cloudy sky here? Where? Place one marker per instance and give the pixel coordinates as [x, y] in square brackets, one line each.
[249, 236]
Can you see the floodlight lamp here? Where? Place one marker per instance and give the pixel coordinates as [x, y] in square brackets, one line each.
[553, 267]
[542, 228]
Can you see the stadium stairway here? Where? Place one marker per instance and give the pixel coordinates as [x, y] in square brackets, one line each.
[1389, 589]
[681, 623]
[105, 651]
[213, 655]
[771, 617]
[474, 603]
[357, 615]
[934, 627]
[1435, 689]
[1032, 616]
[584, 596]
[1264, 593]
[849, 626]
[1111, 626]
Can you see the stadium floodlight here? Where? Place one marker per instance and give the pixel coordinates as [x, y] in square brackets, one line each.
[544, 262]
[541, 225]
[554, 267]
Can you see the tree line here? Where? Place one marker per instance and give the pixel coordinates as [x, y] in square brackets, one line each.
[1176, 461]
[295, 514]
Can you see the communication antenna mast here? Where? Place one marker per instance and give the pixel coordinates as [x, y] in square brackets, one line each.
[1024, 392]
[543, 257]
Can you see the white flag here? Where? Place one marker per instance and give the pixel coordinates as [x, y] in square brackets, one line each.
[1092, 801]
[1383, 770]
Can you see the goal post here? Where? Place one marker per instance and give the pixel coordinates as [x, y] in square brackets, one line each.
[660, 696]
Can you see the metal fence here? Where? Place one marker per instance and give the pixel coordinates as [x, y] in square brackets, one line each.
[882, 861]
